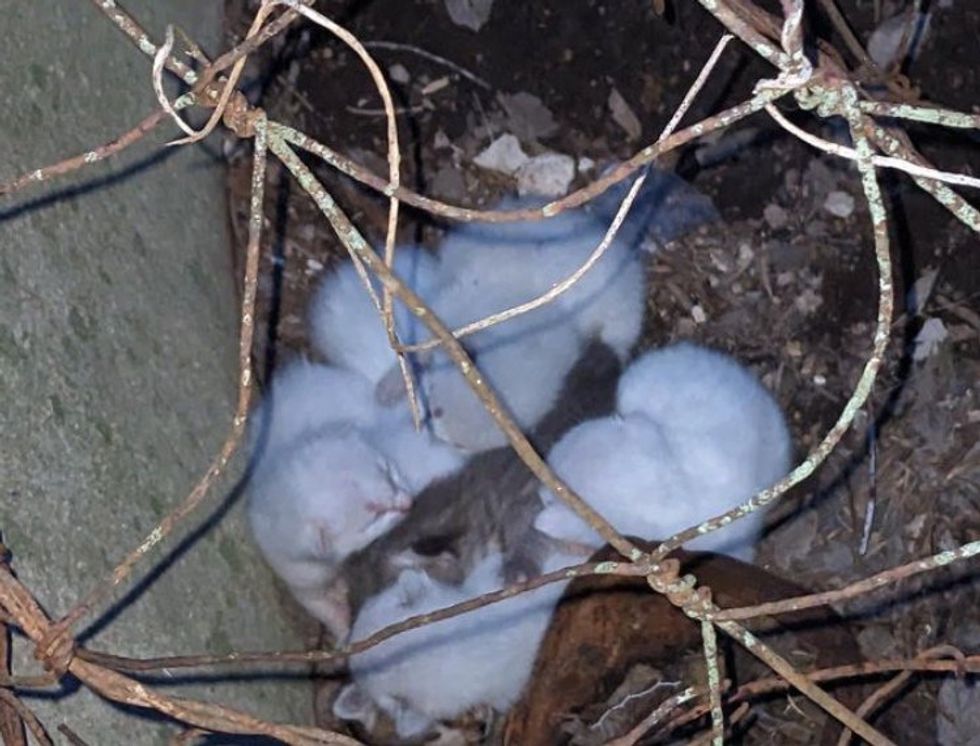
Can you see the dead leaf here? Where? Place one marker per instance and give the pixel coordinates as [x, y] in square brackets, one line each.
[528, 117]
[624, 116]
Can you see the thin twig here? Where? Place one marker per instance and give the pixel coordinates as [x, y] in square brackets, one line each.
[226, 91]
[556, 290]
[11, 725]
[239, 659]
[610, 234]
[877, 698]
[118, 688]
[762, 687]
[462, 71]
[927, 114]
[150, 122]
[897, 144]
[710, 643]
[125, 23]
[220, 463]
[850, 39]
[26, 715]
[817, 695]
[888, 690]
[570, 201]
[843, 151]
[859, 588]
[394, 179]
[662, 711]
[160, 60]
[73, 738]
[68, 165]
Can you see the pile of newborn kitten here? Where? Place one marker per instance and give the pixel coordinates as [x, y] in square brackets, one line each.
[369, 521]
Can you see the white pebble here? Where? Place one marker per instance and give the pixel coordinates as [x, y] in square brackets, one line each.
[504, 155]
[839, 204]
[548, 175]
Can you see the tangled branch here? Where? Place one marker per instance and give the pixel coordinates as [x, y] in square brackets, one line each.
[826, 88]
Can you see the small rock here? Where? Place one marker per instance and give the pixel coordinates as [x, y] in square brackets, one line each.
[624, 116]
[885, 45]
[435, 86]
[930, 336]
[914, 527]
[585, 164]
[527, 115]
[877, 642]
[839, 204]
[504, 155]
[441, 141]
[775, 216]
[918, 295]
[807, 301]
[448, 184]
[548, 175]
[399, 74]
[471, 14]
[745, 256]
[698, 314]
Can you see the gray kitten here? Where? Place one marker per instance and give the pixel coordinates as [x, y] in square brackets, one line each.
[488, 505]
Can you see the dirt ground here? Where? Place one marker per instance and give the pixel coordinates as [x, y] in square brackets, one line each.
[785, 281]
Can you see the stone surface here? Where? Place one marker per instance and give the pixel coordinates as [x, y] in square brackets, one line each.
[118, 330]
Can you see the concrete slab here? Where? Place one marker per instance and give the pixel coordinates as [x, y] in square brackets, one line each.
[118, 330]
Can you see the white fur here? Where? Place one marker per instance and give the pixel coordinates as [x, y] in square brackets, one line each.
[705, 398]
[695, 435]
[526, 259]
[331, 471]
[442, 670]
[302, 398]
[609, 301]
[487, 268]
[526, 373]
[417, 457]
[328, 495]
[345, 326]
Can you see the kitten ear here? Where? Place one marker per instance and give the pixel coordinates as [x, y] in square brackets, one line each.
[391, 388]
[412, 584]
[410, 723]
[354, 704]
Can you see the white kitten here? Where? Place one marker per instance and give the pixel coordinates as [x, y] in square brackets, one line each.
[696, 436]
[328, 495]
[704, 398]
[488, 268]
[442, 670]
[332, 470]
